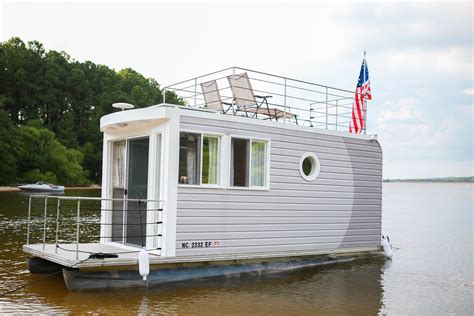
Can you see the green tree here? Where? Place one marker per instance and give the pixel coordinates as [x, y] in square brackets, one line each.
[8, 151]
[43, 155]
[50, 100]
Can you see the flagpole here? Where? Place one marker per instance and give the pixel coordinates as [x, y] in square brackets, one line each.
[365, 96]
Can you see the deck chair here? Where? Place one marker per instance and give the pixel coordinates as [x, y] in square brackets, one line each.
[246, 101]
[212, 97]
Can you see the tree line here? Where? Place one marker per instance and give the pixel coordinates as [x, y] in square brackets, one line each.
[50, 107]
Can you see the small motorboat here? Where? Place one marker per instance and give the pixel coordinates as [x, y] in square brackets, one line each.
[42, 187]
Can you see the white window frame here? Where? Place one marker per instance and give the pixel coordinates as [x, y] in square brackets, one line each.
[267, 141]
[220, 181]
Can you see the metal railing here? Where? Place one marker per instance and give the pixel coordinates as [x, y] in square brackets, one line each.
[312, 104]
[75, 220]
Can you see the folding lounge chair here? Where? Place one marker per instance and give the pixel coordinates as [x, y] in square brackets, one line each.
[212, 97]
[245, 100]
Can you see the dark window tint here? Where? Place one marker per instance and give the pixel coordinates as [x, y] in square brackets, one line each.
[240, 162]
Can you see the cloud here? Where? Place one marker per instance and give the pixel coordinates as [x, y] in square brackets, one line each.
[409, 130]
[469, 91]
[454, 61]
[402, 110]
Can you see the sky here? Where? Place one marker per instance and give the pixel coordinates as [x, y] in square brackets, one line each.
[420, 57]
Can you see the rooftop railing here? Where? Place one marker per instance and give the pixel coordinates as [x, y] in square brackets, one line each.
[298, 101]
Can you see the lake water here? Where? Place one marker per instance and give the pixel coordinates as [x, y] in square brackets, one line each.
[431, 226]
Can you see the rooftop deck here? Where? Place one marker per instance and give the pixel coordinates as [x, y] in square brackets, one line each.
[244, 92]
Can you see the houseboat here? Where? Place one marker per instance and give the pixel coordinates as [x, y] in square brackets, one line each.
[249, 173]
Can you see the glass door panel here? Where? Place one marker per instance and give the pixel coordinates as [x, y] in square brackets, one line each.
[118, 189]
[137, 183]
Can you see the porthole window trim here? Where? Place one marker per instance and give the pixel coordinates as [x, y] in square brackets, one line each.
[316, 167]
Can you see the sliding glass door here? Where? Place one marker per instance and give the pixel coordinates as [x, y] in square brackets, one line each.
[129, 181]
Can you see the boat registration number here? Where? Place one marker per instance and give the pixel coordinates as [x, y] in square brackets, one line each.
[199, 244]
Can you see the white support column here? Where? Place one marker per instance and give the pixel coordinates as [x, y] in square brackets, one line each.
[151, 190]
[225, 161]
[154, 183]
[106, 206]
[170, 156]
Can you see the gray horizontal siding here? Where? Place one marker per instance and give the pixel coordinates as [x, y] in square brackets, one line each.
[343, 186]
[272, 213]
[319, 198]
[287, 240]
[256, 205]
[197, 194]
[320, 246]
[276, 227]
[236, 220]
[274, 234]
[340, 209]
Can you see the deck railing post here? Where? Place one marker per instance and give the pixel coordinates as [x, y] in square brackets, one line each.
[195, 91]
[44, 222]
[326, 107]
[29, 220]
[337, 103]
[77, 227]
[57, 226]
[162, 204]
[164, 95]
[233, 94]
[284, 105]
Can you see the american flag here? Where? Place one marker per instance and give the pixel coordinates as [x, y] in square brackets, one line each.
[363, 93]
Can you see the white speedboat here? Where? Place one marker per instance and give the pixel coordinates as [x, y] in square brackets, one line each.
[42, 186]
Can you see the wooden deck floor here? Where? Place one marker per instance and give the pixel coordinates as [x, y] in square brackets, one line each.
[65, 254]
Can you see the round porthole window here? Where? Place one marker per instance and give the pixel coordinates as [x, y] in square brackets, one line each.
[309, 166]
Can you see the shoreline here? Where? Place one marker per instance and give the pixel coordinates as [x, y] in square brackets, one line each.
[16, 189]
[416, 181]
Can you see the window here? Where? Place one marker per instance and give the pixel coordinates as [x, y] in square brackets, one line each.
[189, 149]
[198, 159]
[248, 163]
[240, 163]
[210, 159]
[309, 166]
[258, 163]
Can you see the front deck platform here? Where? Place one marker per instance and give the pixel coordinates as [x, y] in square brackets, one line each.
[65, 255]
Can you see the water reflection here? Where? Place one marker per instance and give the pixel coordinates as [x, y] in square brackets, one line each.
[350, 288]
[28, 193]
